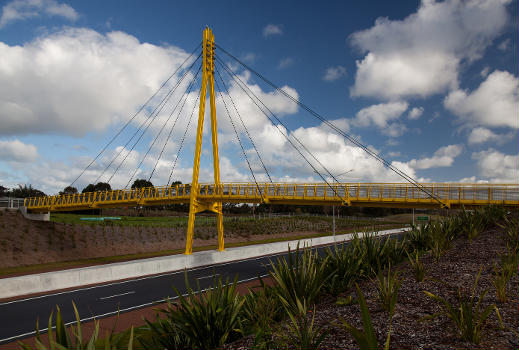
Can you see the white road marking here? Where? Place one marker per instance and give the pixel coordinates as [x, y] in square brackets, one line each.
[117, 295]
[201, 278]
[172, 273]
[118, 311]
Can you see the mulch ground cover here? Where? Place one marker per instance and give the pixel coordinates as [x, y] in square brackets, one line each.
[457, 268]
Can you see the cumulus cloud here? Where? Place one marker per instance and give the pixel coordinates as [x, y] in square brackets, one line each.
[481, 135]
[493, 104]
[443, 157]
[415, 113]
[420, 55]
[272, 29]
[17, 151]
[383, 116]
[78, 80]
[497, 166]
[24, 9]
[334, 73]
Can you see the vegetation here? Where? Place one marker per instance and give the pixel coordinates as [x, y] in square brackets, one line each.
[467, 314]
[282, 315]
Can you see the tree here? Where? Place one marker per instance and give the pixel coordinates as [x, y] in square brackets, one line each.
[4, 191]
[26, 191]
[98, 187]
[68, 190]
[89, 188]
[140, 183]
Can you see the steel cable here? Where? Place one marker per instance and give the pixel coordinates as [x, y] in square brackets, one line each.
[336, 129]
[135, 115]
[186, 94]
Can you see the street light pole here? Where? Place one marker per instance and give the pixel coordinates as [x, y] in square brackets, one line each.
[333, 206]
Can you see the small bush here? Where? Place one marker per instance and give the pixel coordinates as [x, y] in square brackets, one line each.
[466, 314]
[300, 278]
[500, 279]
[366, 338]
[207, 318]
[388, 287]
[417, 266]
[344, 265]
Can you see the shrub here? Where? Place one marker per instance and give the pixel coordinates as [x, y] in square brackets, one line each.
[64, 340]
[388, 287]
[344, 265]
[467, 315]
[441, 235]
[163, 334]
[300, 277]
[302, 333]
[500, 279]
[207, 318]
[366, 338]
[373, 250]
[417, 266]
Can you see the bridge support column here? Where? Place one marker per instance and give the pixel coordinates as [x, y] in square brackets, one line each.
[194, 205]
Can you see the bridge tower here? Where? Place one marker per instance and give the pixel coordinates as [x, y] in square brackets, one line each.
[196, 206]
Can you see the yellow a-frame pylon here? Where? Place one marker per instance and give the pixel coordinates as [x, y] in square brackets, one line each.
[196, 206]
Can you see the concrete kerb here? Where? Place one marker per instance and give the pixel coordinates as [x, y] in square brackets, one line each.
[49, 281]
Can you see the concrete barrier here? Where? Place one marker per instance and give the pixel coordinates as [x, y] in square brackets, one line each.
[49, 281]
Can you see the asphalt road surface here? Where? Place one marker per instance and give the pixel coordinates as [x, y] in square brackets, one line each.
[19, 316]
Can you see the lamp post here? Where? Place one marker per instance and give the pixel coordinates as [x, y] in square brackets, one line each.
[333, 206]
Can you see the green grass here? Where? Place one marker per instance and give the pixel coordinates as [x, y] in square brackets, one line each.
[7, 271]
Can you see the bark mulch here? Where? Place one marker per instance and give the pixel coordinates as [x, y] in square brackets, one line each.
[458, 268]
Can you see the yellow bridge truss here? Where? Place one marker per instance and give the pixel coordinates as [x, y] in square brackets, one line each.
[203, 197]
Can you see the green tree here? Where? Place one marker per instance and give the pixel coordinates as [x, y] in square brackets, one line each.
[89, 188]
[140, 183]
[4, 191]
[98, 187]
[68, 190]
[26, 191]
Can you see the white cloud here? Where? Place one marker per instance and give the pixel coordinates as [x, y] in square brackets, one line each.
[497, 166]
[272, 29]
[285, 62]
[24, 9]
[334, 73]
[443, 157]
[394, 154]
[17, 151]
[383, 117]
[485, 71]
[415, 113]
[493, 104]
[77, 80]
[481, 135]
[420, 55]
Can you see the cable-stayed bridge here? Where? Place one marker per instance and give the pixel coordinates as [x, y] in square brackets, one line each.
[202, 197]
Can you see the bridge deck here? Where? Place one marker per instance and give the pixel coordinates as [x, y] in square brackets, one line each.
[360, 194]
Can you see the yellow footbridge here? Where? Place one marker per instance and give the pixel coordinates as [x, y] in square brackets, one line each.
[392, 195]
[202, 197]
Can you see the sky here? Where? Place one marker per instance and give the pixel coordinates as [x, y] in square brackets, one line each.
[430, 86]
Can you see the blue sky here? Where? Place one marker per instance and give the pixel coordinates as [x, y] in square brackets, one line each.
[431, 86]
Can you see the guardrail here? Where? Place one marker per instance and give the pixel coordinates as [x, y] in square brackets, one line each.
[11, 203]
[360, 194]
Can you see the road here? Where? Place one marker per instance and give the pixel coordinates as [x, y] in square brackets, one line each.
[19, 316]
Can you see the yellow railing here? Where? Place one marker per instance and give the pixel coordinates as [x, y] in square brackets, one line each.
[356, 194]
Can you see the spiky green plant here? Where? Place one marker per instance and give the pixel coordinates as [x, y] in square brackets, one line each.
[417, 266]
[467, 314]
[163, 334]
[388, 286]
[64, 339]
[207, 318]
[500, 279]
[441, 235]
[344, 265]
[419, 237]
[302, 332]
[300, 277]
[373, 249]
[366, 338]
[511, 232]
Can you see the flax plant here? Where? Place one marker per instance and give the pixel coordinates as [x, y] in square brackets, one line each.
[207, 318]
[344, 265]
[301, 277]
[500, 279]
[388, 287]
[64, 339]
[467, 314]
[366, 338]
[417, 266]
